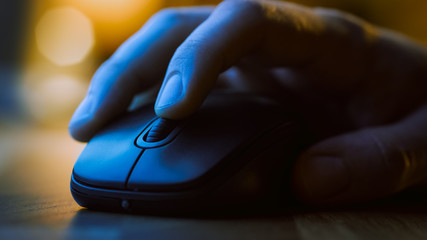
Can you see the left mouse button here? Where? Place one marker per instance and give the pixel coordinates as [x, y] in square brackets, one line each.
[104, 165]
[108, 158]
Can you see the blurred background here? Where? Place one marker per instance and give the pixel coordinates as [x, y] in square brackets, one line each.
[50, 48]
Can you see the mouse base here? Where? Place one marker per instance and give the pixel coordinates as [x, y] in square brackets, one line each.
[191, 202]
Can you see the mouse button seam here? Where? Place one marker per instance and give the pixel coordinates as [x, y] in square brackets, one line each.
[132, 168]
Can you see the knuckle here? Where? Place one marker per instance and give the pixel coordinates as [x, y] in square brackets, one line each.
[114, 64]
[172, 16]
[396, 163]
[346, 20]
[355, 29]
[247, 8]
[187, 50]
[331, 13]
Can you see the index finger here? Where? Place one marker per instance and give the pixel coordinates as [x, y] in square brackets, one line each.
[134, 67]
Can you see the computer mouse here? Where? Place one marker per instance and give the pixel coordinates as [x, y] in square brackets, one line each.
[236, 150]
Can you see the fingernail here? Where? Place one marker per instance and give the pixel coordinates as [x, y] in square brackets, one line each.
[171, 91]
[323, 177]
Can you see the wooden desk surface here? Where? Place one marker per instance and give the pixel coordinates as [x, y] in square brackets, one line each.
[35, 203]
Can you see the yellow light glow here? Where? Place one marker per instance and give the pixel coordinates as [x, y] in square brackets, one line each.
[115, 20]
[114, 10]
[52, 100]
[64, 36]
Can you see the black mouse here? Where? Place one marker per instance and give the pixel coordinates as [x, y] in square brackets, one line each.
[236, 150]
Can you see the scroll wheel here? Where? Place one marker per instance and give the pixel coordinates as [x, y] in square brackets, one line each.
[160, 129]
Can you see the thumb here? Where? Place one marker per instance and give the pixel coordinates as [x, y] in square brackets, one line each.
[365, 164]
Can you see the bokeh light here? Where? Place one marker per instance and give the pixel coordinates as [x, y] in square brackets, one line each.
[64, 35]
[52, 100]
[115, 20]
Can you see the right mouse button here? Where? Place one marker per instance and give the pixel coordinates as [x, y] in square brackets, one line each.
[109, 156]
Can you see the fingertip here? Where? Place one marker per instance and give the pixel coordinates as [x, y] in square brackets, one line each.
[317, 179]
[350, 168]
[174, 100]
[82, 128]
[175, 111]
[77, 131]
[77, 127]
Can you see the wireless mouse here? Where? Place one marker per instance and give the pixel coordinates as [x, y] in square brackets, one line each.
[237, 150]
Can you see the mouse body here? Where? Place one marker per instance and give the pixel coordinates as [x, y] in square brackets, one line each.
[236, 150]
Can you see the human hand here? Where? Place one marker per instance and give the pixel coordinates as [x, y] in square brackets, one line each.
[359, 88]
